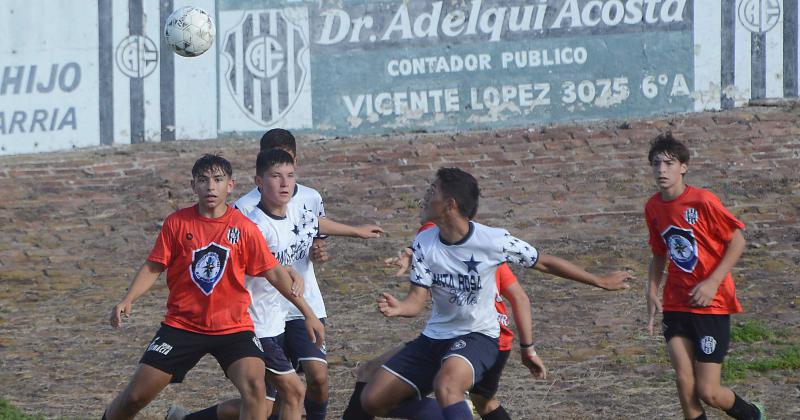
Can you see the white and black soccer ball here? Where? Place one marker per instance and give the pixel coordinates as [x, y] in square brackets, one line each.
[189, 31]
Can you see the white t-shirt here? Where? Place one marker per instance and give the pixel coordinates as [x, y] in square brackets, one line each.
[461, 277]
[289, 239]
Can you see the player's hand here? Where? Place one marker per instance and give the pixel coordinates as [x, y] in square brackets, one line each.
[298, 283]
[369, 231]
[653, 308]
[534, 364]
[703, 293]
[402, 261]
[616, 281]
[388, 305]
[319, 251]
[122, 310]
[316, 331]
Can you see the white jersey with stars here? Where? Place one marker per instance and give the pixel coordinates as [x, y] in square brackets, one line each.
[461, 277]
[289, 239]
[303, 197]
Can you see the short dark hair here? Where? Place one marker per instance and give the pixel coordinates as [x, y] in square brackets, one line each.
[269, 158]
[278, 138]
[210, 162]
[667, 144]
[462, 187]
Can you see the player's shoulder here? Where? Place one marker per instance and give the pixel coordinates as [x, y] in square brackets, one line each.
[427, 236]
[703, 195]
[481, 231]
[307, 192]
[249, 200]
[183, 215]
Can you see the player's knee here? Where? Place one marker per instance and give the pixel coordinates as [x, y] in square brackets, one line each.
[685, 381]
[708, 393]
[317, 383]
[365, 371]
[133, 402]
[293, 392]
[371, 402]
[446, 389]
[253, 387]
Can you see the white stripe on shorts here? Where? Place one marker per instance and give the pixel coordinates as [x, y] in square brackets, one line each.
[419, 395]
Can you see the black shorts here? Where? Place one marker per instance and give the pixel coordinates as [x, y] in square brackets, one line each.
[488, 386]
[299, 348]
[176, 351]
[710, 333]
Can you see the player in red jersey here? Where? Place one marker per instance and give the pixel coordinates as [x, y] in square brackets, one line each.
[691, 229]
[206, 250]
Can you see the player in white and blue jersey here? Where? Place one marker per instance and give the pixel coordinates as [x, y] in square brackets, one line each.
[456, 262]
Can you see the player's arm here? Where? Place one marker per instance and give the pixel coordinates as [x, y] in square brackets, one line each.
[523, 319]
[702, 294]
[654, 275]
[329, 227]
[562, 268]
[409, 307]
[141, 283]
[280, 278]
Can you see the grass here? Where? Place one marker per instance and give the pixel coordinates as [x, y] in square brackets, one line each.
[775, 349]
[9, 412]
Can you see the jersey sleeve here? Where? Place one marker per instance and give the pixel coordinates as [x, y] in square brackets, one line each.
[259, 258]
[519, 252]
[319, 211]
[164, 251]
[421, 274]
[505, 277]
[655, 240]
[721, 219]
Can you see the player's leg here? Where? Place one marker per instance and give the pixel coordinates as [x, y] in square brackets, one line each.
[483, 394]
[400, 387]
[169, 355]
[241, 357]
[364, 373]
[314, 364]
[679, 333]
[291, 391]
[145, 385]
[466, 361]
[247, 374]
[711, 345]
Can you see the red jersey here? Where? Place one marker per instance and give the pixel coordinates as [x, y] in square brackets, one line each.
[504, 277]
[694, 231]
[206, 262]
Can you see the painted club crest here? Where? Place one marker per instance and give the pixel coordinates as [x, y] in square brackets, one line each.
[690, 215]
[708, 344]
[268, 54]
[458, 345]
[233, 235]
[208, 265]
[682, 247]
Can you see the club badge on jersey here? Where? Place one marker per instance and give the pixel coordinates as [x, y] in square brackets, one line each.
[682, 247]
[208, 264]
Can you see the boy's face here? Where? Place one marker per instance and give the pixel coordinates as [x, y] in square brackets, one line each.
[667, 170]
[277, 184]
[432, 205]
[212, 188]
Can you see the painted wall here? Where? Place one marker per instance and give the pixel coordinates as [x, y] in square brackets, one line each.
[98, 72]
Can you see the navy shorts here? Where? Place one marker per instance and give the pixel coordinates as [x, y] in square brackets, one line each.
[299, 348]
[419, 361]
[176, 351]
[490, 383]
[710, 333]
[276, 361]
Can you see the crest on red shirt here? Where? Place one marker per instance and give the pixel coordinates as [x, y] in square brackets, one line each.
[682, 247]
[208, 265]
[690, 215]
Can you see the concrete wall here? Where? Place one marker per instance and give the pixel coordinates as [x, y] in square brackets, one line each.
[77, 73]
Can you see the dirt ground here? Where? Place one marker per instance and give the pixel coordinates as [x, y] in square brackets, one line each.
[76, 225]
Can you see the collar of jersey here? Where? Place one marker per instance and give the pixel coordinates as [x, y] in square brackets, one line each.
[270, 215]
[463, 240]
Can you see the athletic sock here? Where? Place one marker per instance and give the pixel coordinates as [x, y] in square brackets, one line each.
[354, 411]
[315, 410]
[457, 411]
[701, 417]
[742, 410]
[498, 413]
[424, 409]
[209, 413]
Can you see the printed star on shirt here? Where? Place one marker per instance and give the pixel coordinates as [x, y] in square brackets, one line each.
[427, 271]
[472, 265]
[296, 230]
[419, 247]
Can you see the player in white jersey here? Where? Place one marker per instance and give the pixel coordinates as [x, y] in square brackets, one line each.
[456, 261]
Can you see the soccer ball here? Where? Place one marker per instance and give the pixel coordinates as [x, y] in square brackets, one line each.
[189, 31]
